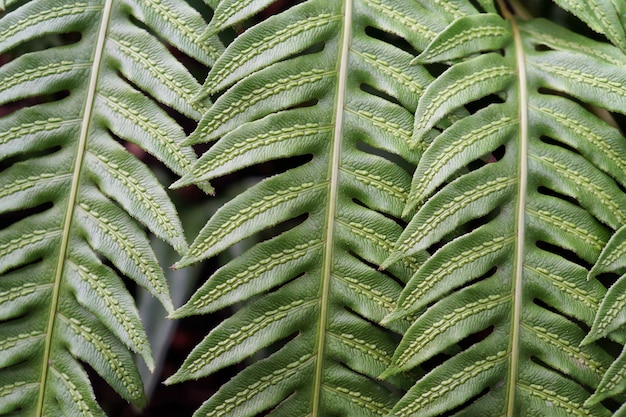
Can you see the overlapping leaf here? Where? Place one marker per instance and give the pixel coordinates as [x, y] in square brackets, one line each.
[611, 314]
[514, 203]
[602, 16]
[74, 201]
[325, 82]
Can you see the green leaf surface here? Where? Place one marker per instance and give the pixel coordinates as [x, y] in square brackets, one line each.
[513, 203]
[309, 82]
[611, 314]
[420, 211]
[466, 35]
[76, 204]
[602, 16]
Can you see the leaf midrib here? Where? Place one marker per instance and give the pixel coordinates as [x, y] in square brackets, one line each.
[73, 197]
[521, 207]
[342, 75]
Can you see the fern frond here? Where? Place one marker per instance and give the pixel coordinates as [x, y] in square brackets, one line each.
[611, 314]
[602, 16]
[74, 202]
[321, 81]
[513, 203]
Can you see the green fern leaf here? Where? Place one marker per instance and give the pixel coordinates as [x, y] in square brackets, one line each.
[602, 16]
[313, 82]
[513, 203]
[74, 201]
[611, 315]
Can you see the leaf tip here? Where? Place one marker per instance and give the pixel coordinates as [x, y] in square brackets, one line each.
[179, 313]
[149, 360]
[593, 272]
[389, 372]
[593, 400]
[393, 258]
[177, 265]
[391, 317]
[171, 380]
[188, 180]
[183, 181]
[207, 188]
[417, 60]
[181, 375]
[185, 261]
[589, 339]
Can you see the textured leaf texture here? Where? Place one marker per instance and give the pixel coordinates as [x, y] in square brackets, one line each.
[513, 205]
[324, 90]
[421, 205]
[611, 314]
[74, 202]
[602, 16]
